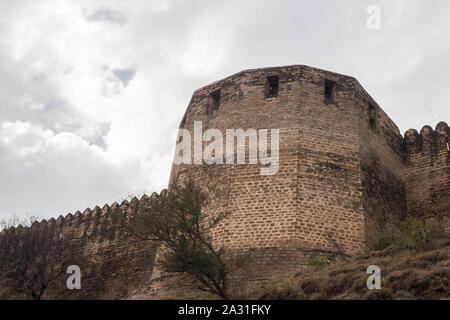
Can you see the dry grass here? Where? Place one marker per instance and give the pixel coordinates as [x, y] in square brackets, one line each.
[404, 275]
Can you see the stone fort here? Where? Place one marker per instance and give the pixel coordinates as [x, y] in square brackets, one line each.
[346, 176]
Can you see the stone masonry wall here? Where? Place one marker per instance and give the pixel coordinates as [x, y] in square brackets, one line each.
[345, 174]
[382, 167]
[340, 182]
[329, 210]
[427, 173]
[111, 264]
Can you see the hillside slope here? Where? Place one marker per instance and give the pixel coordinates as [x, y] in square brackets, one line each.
[404, 275]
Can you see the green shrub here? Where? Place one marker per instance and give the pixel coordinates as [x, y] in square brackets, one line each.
[384, 243]
[319, 263]
[411, 234]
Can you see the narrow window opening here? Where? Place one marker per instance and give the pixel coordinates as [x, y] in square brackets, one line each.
[448, 147]
[330, 90]
[272, 87]
[213, 106]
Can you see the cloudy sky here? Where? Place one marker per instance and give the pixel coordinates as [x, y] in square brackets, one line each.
[91, 91]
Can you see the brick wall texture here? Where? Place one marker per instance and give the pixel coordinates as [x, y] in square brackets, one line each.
[346, 176]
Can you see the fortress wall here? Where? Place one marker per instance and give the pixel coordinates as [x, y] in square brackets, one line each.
[271, 263]
[428, 173]
[330, 215]
[265, 213]
[111, 264]
[382, 165]
[317, 192]
[262, 209]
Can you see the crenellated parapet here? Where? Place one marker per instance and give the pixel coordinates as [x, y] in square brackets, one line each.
[427, 173]
[91, 223]
[429, 144]
[109, 260]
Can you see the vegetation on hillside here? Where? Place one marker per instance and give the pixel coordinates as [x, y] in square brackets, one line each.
[414, 262]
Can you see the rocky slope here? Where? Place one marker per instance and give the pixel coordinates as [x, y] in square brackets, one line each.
[404, 275]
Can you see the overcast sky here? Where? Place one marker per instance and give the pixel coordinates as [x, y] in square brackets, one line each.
[91, 91]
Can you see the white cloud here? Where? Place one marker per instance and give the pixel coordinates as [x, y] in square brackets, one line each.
[46, 171]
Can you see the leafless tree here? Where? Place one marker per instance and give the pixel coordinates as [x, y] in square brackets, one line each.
[30, 260]
[177, 220]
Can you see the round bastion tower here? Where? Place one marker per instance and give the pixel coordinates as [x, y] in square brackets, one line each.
[338, 183]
